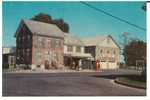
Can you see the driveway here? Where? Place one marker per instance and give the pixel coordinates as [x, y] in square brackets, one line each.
[68, 84]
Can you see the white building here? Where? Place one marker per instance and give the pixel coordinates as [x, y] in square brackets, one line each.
[74, 51]
[103, 49]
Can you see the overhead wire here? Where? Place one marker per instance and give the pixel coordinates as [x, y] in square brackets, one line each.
[106, 13]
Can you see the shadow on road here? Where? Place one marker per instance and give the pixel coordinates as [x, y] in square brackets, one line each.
[135, 77]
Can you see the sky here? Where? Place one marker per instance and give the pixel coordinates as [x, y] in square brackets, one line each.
[83, 20]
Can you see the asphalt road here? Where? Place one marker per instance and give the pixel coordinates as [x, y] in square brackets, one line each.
[67, 84]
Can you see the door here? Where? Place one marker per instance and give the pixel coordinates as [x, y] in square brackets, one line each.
[47, 64]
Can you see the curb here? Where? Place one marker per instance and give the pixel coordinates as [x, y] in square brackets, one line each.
[129, 85]
[54, 71]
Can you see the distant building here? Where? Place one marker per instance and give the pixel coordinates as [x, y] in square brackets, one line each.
[74, 54]
[39, 45]
[105, 50]
[9, 58]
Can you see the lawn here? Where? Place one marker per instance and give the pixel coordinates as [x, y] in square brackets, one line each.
[133, 81]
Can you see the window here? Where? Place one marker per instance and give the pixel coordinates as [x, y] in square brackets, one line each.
[41, 42]
[18, 52]
[35, 40]
[19, 39]
[58, 43]
[49, 43]
[69, 48]
[107, 51]
[38, 66]
[53, 43]
[23, 52]
[78, 49]
[108, 40]
[114, 52]
[28, 37]
[23, 38]
[46, 55]
[28, 52]
[57, 57]
[38, 56]
[101, 51]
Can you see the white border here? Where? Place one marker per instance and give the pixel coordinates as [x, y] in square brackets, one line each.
[85, 98]
[1, 46]
[78, 0]
[148, 48]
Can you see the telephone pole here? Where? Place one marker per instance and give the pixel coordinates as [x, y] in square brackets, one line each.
[125, 42]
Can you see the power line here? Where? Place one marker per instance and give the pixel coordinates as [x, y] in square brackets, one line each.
[120, 19]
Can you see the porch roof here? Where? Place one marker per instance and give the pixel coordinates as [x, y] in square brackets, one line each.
[79, 55]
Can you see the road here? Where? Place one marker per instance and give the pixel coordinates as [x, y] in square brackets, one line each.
[67, 84]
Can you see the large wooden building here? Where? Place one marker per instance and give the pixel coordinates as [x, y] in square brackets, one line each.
[39, 45]
[105, 50]
[74, 53]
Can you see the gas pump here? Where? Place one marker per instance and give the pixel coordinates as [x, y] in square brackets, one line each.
[97, 65]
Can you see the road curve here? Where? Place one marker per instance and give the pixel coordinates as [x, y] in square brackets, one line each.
[65, 84]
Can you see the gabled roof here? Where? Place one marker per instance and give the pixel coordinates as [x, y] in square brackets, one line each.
[41, 28]
[70, 39]
[94, 41]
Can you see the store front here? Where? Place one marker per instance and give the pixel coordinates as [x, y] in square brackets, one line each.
[76, 61]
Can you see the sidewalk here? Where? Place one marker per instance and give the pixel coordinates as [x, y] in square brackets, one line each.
[48, 71]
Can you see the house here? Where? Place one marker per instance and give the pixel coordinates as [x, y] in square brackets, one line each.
[105, 50]
[9, 56]
[39, 45]
[74, 54]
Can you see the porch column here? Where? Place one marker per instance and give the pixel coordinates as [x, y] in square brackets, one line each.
[80, 64]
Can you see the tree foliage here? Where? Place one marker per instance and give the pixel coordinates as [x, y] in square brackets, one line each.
[135, 50]
[48, 19]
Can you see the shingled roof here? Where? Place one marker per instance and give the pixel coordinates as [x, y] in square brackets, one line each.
[70, 39]
[93, 41]
[42, 28]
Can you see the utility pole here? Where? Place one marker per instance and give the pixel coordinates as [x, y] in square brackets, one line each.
[125, 35]
[125, 41]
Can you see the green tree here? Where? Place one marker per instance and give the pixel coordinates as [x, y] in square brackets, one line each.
[133, 51]
[48, 19]
[42, 18]
[61, 24]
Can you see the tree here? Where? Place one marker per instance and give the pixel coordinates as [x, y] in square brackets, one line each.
[61, 24]
[48, 19]
[42, 18]
[133, 51]
[144, 6]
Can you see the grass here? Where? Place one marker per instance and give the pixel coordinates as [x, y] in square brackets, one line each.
[133, 81]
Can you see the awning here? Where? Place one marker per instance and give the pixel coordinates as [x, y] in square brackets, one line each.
[79, 55]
